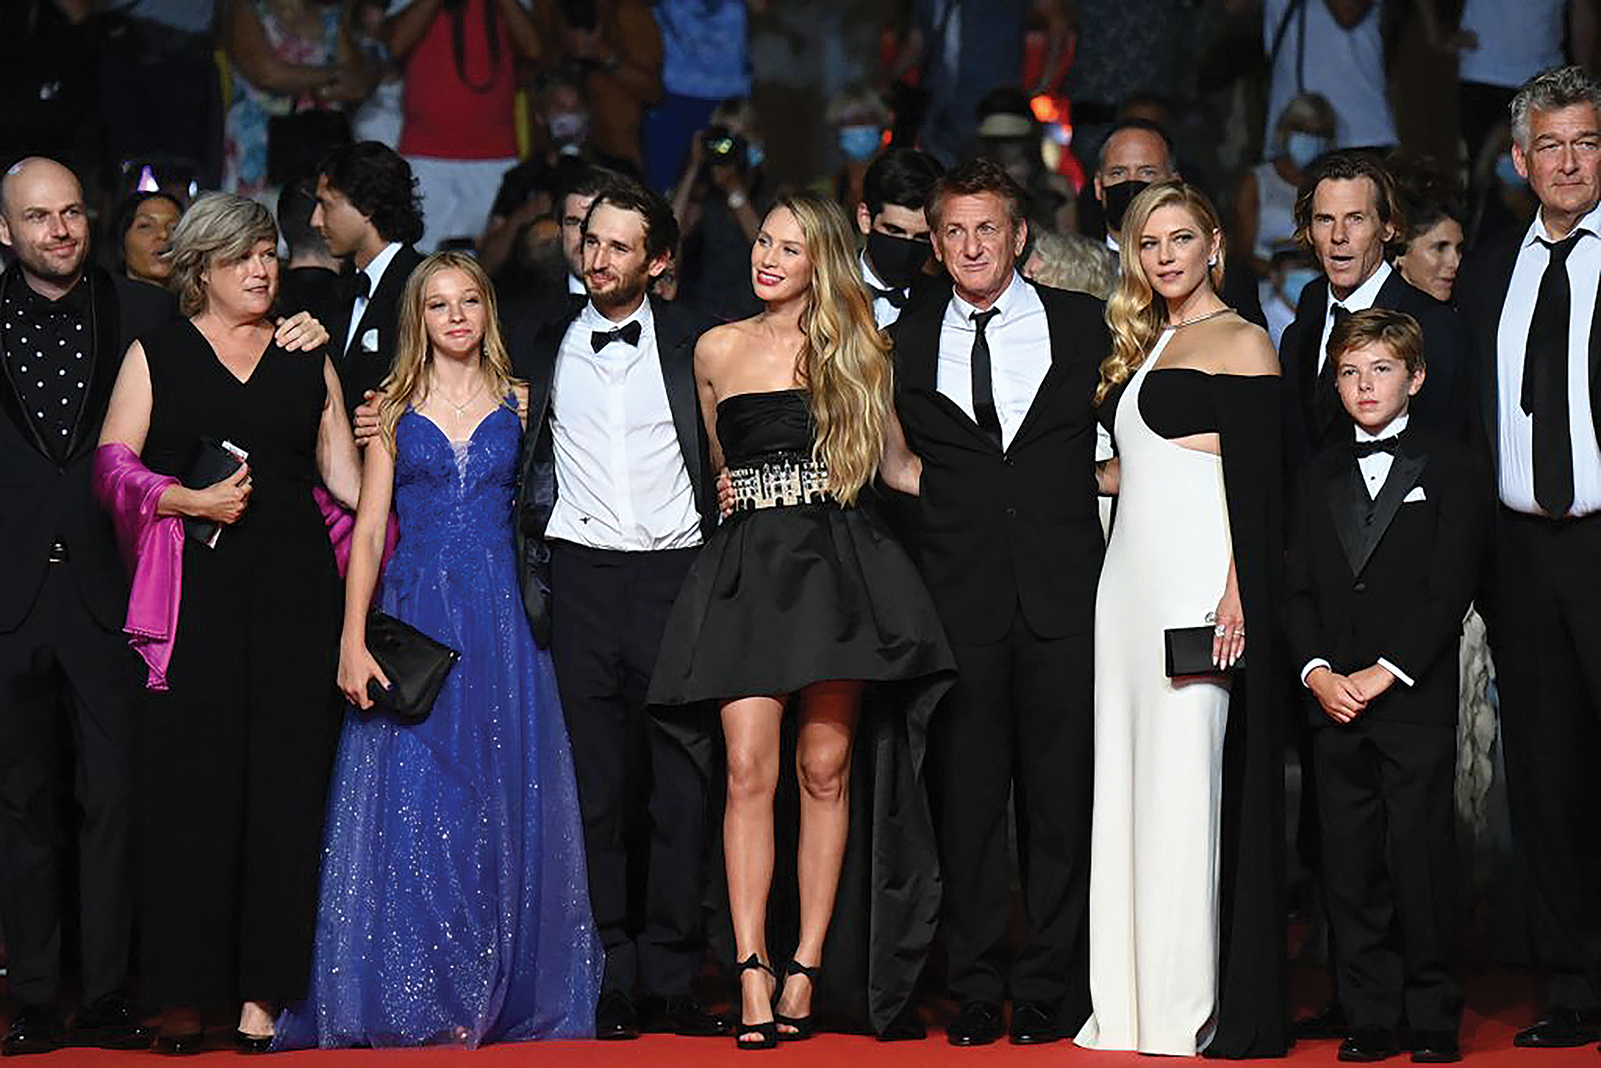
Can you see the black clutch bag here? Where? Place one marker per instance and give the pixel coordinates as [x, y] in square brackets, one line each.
[1189, 652]
[414, 664]
[214, 461]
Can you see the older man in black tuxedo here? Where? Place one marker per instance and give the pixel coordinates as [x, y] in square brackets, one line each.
[1535, 325]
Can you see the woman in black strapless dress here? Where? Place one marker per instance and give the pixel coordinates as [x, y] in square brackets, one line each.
[800, 600]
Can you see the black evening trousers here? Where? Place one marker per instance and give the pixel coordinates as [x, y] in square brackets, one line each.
[65, 680]
[1019, 719]
[1545, 632]
[1385, 795]
[640, 794]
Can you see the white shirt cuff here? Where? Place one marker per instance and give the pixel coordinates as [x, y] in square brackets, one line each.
[1397, 672]
[1311, 666]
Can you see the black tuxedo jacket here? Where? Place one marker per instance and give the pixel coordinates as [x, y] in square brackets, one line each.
[360, 367]
[43, 500]
[1483, 292]
[1441, 403]
[535, 348]
[1391, 577]
[998, 531]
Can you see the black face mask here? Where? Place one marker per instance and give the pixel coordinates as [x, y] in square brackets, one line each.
[1117, 198]
[896, 260]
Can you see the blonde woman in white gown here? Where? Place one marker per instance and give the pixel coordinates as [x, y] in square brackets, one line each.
[1186, 898]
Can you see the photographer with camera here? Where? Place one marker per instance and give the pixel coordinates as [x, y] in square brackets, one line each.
[460, 130]
[719, 202]
[615, 50]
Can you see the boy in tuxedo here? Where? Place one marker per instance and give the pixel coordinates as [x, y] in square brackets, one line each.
[1384, 553]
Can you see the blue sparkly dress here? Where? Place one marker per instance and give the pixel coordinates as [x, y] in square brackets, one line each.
[454, 903]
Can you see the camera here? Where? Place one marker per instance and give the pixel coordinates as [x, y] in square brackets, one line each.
[720, 145]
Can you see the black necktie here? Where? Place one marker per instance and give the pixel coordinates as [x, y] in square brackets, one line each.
[361, 285]
[1545, 381]
[1364, 449]
[628, 334]
[983, 388]
[896, 297]
[1326, 402]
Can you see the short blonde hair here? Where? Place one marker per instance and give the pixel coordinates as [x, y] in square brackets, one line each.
[217, 228]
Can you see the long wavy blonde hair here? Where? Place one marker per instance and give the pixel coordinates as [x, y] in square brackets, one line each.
[407, 384]
[845, 359]
[1135, 314]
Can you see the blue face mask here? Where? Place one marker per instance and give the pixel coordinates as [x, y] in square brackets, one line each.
[1506, 172]
[1303, 148]
[1295, 280]
[859, 143]
[754, 155]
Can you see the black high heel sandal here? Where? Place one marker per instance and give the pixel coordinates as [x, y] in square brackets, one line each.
[767, 1033]
[803, 1027]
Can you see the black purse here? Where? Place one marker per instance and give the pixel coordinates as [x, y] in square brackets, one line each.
[1189, 652]
[415, 665]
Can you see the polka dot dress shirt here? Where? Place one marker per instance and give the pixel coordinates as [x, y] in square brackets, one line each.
[47, 350]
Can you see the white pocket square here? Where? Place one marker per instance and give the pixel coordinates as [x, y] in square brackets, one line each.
[369, 340]
[1415, 495]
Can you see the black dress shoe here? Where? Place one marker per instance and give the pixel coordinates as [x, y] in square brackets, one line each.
[37, 1029]
[1558, 1029]
[108, 1024]
[977, 1024]
[181, 1045]
[615, 1017]
[681, 1014]
[1435, 1047]
[1330, 1023]
[1032, 1024]
[1367, 1044]
[249, 1043]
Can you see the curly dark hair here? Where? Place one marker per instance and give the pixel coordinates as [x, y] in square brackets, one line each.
[378, 182]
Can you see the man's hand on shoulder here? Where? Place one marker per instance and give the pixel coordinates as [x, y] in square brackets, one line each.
[300, 333]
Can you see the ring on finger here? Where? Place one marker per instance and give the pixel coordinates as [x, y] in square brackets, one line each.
[1220, 630]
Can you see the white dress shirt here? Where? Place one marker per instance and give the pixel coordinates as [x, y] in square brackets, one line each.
[621, 483]
[575, 286]
[1020, 353]
[1515, 427]
[375, 274]
[1375, 469]
[884, 313]
[1361, 299]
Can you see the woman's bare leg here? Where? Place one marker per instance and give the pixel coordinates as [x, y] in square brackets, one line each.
[751, 735]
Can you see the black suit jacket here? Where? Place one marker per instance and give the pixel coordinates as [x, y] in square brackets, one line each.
[43, 500]
[535, 348]
[362, 367]
[1389, 578]
[1441, 403]
[999, 531]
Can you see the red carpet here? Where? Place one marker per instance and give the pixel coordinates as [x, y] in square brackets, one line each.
[1498, 1003]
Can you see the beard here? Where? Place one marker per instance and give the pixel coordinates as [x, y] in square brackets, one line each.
[627, 290]
[51, 269]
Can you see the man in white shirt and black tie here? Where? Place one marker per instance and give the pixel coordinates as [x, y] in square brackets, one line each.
[993, 390]
[1532, 304]
[616, 497]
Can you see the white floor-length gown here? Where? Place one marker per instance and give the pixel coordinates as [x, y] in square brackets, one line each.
[1154, 853]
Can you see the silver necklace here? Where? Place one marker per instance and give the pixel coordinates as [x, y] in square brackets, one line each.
[1199, 318]
[461, 408]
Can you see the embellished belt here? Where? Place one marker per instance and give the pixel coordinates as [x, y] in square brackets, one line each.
[780, 481]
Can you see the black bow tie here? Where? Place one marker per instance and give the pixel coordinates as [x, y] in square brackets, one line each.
[361, 285]
[896, 297]
[1365, 449]
[628, 334]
